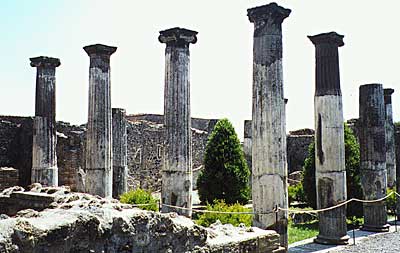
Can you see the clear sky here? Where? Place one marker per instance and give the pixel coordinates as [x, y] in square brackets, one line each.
[221, 61]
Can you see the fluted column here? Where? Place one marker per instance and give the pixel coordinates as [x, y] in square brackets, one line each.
[177, 165]
[98, 163]
[390, 146]
[330, 168]
[373, 156]
[120, 149]
[44, 158]
[269, 161]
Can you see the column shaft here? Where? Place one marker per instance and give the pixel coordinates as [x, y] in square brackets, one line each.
[98, 157]
[390, 146]
[330, 169]
[44, 158]
[177, 165]
[269, 162]
[373, 155]
[120, 149]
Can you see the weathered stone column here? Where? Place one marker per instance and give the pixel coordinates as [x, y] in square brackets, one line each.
[177, 166]
[373, 156]
[247, 141]
[330, 168]
[98, 156]
[44, 158]
[390, 146]
[120, 149]
[269, 162]
[397, 150]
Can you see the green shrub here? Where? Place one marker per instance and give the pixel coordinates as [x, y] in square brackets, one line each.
[140, 196]
[206, 219]
[296, 193]
[352, 160]
[391, 200]
[225, 174]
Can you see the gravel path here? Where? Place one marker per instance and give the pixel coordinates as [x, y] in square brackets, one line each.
[381, 243]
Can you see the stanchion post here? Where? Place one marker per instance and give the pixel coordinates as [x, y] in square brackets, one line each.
[159, 205]
[276, 217]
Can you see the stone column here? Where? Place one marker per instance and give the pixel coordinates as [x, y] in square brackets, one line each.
[373, 156]
[330, 168]
[269, 162]
[397, 150]
[177, 166]
[44, 158]
[247, 141]
[120, 149]
[98, 158]
[390, 146]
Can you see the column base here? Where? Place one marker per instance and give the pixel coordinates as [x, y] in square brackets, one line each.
[344, 240]
[371, 228]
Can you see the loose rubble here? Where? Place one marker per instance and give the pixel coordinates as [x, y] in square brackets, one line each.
[59, 220]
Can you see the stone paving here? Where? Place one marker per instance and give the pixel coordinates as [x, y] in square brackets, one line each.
[377, 242]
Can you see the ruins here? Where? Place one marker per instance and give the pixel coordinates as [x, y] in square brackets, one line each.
[330, 170]
[44, 158]
[95, 163]
[373, 156]
[120, 152]
[268, 120]
[390, 145]
[98, 164]
[177, 166]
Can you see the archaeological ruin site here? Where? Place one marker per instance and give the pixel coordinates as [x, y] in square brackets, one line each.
[60, 183]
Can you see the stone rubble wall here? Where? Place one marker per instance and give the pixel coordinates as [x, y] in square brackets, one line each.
[145, 154]
[8, 177]
[61, 221]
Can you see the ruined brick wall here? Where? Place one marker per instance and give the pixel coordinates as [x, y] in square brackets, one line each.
[297, 150]
[145, 153]
[8, 177]
[197, 123]
[70, 151]
[16, 145]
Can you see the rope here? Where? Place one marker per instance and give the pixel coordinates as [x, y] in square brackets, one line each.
[138, 205]
[338, 205]
[293, 180]
[277, 209]
[219, 212]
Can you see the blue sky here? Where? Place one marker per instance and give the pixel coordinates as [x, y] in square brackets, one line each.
[221, 61]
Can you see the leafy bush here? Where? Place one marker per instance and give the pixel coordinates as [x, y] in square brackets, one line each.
[352, 160]
[391, 200]
[225, 174]
[140, 196]
[206, 219]
[296, 193]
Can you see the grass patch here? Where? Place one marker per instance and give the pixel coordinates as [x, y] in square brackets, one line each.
[299, 232]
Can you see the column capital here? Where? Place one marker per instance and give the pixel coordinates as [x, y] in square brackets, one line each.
[118, 110]
[45, 62]
[99, 49]
[270, 11]
[388, 91]
[178, 37]
[331, 38]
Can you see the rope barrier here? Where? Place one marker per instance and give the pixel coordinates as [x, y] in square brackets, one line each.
[219, 212]
[284, 209]
[293, 180]
[336, 206]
